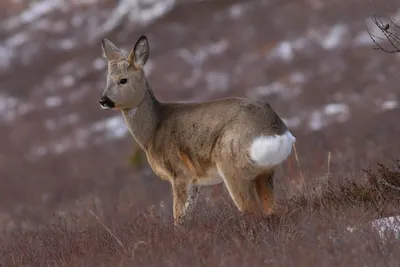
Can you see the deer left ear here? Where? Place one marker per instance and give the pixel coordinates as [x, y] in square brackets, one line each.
[140, 53]
[110, 51]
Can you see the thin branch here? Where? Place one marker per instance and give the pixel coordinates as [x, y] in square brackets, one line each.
[382, 181]
[390, 19]
[385, 28]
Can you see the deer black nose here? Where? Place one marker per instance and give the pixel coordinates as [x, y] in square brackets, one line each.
[106, 102]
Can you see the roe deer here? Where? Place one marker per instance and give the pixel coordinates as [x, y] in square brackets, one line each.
[235, 140]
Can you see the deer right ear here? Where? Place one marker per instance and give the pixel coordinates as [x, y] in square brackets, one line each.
[140, 52]
[110, 51]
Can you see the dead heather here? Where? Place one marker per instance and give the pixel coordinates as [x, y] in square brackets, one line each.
[310, 229]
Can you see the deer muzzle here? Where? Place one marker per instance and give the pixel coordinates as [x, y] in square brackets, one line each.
[106, 103]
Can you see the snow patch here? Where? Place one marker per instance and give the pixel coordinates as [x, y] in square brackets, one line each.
[320, 118]
[193, 78]
[99, 63]
[11, 108]
[6, 57]
[198, 57]
[66, 75]
[236, 11]
[285, 92]
[7, 103]
[53, 124]
[333, 109]
[387, 225]
[327, 39]
[143, 12]
[40, 151]
[390, 104]
[53, 101]
[217, 81]
[298, 78]
[384, 227]
[65, 44]
[283, 50]
[112, 128]
[68, 81]
[33, 13]
[335, 36]
[16, 40]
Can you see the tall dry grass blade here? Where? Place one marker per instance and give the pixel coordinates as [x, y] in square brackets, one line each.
[329, 163]
[109, 231]
[298, 165]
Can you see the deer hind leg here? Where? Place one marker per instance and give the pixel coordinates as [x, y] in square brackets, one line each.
[184, 200]
[264, 184]
[241, 189]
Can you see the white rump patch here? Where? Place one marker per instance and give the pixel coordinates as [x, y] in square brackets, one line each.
[272, 150]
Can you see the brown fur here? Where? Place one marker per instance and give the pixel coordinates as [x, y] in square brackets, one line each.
[188, 144]
[264, 184]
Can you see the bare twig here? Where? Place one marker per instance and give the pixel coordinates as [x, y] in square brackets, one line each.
[382, 181]
[391, 20]
[390, 36]
[109, 231]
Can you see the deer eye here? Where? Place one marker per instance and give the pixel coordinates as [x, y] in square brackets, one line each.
[123, 81]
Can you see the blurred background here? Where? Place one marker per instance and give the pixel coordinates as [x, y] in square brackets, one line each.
[312, 60]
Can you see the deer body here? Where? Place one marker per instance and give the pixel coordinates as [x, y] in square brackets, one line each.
[236, 141]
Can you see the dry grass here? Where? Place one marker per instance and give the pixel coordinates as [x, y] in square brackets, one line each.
[310, 230]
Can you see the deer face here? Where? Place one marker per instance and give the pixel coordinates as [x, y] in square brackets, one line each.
[126, 82]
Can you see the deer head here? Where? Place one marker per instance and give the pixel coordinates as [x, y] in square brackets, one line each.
[126, 81]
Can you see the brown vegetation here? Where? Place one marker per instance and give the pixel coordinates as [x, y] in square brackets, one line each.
[311, 230]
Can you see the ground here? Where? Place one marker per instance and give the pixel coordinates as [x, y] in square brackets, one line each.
[62, 156]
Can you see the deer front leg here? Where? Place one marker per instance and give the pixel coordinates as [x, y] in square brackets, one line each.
[184, 199]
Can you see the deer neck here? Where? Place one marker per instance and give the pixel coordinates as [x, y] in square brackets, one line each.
[143, 120]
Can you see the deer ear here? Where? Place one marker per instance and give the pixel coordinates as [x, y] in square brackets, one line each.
[140, 53]
[110, 51]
